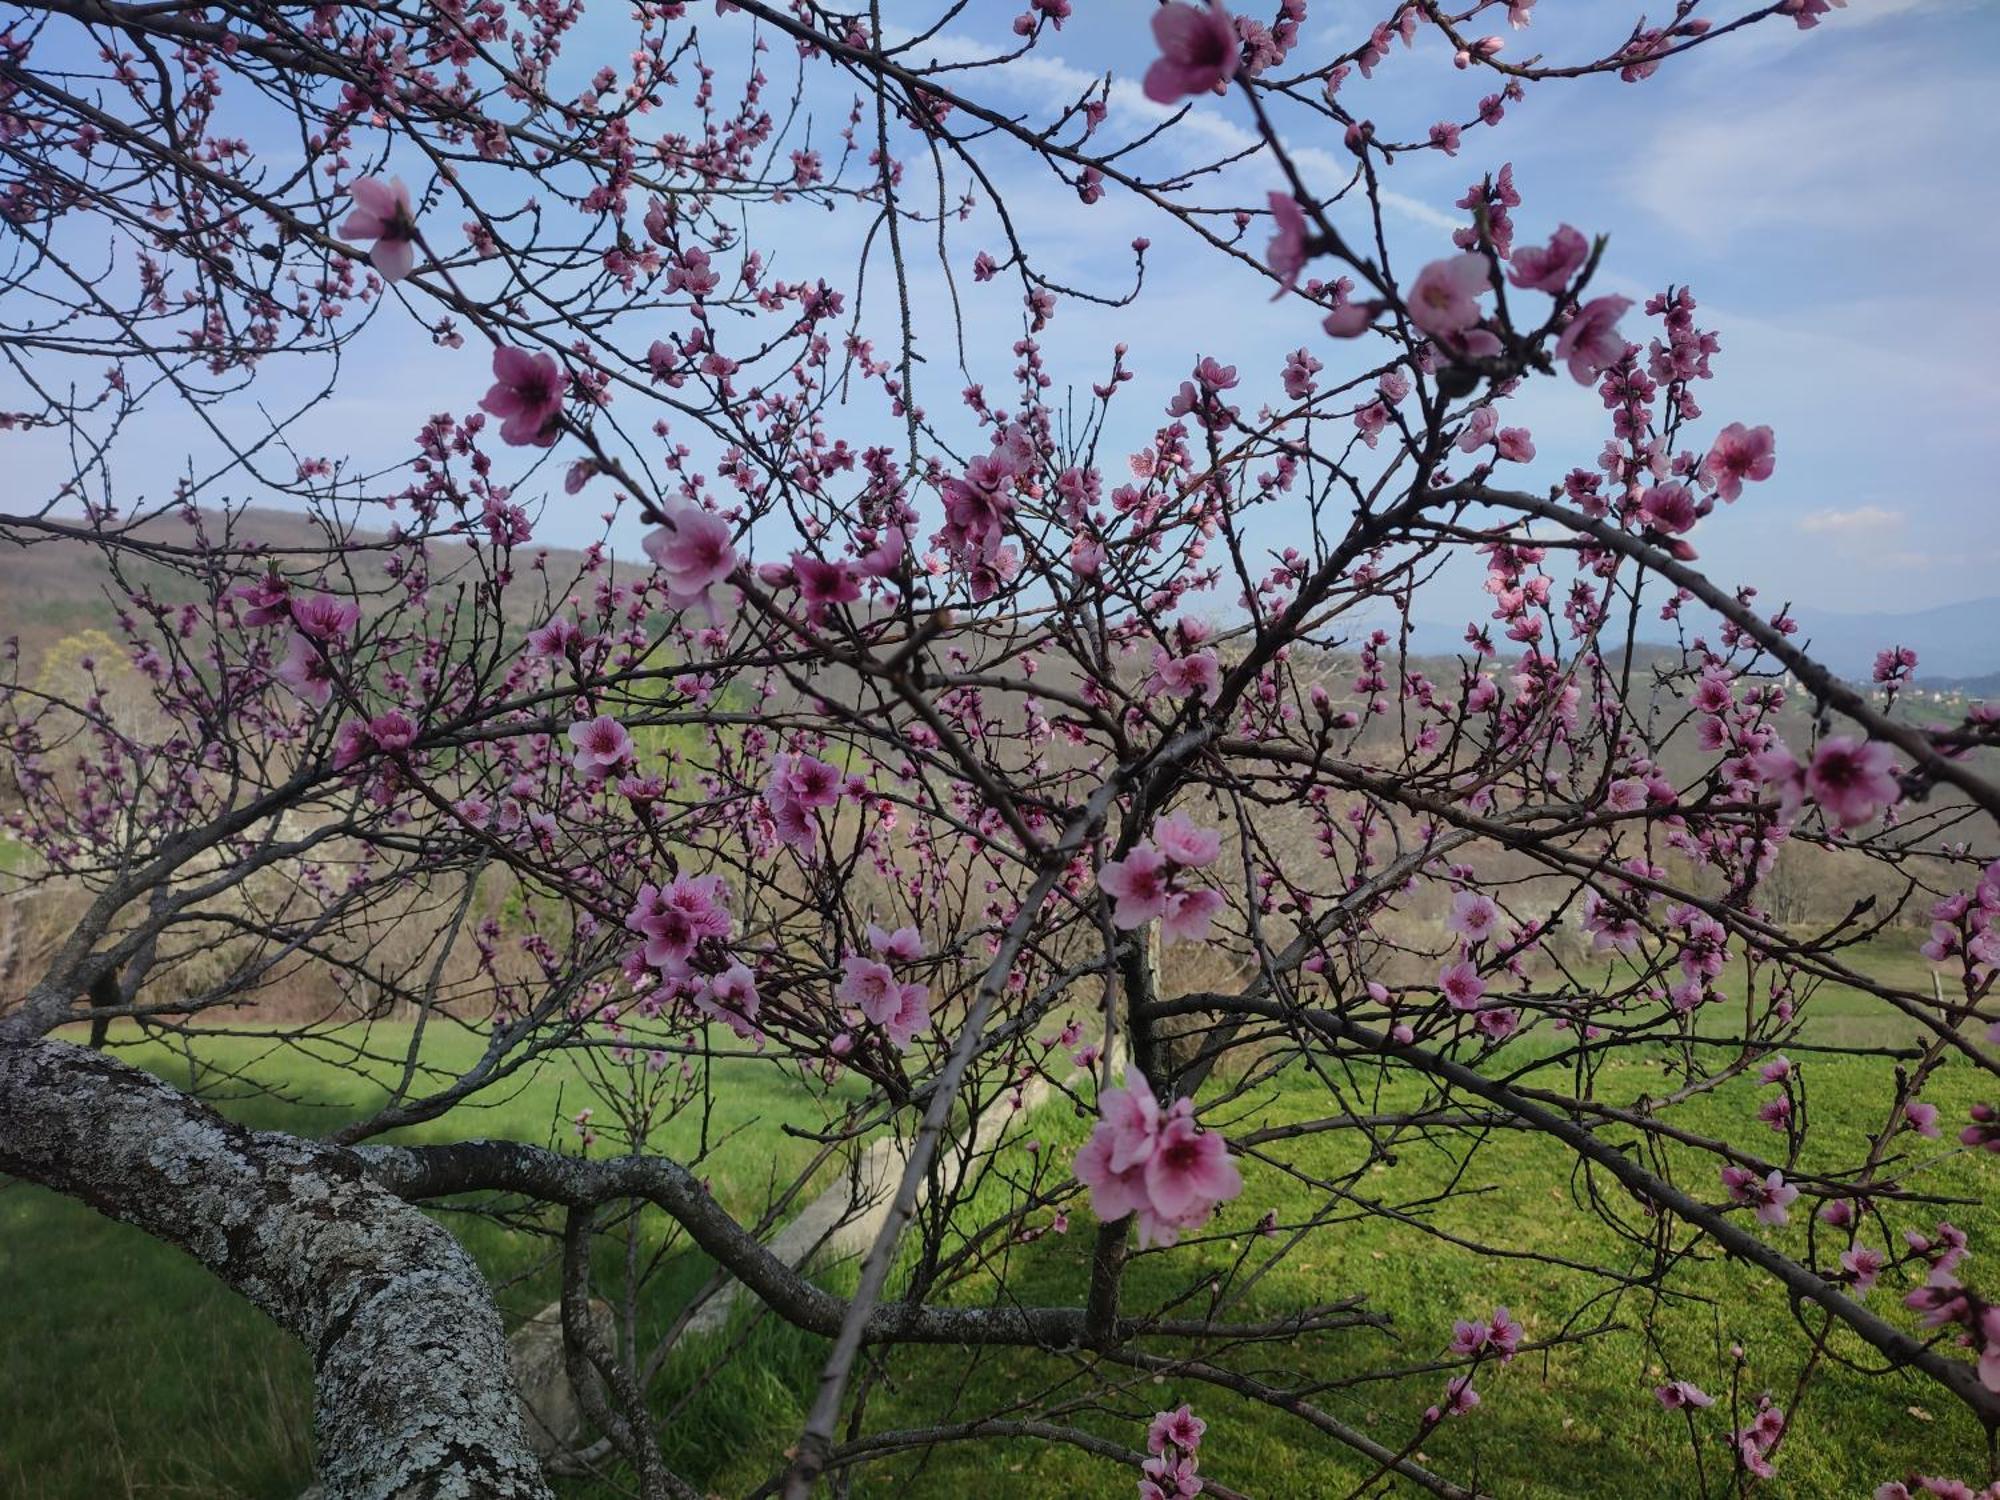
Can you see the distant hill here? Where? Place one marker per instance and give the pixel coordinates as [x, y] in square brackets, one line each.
[1957, 645]
[52, 589]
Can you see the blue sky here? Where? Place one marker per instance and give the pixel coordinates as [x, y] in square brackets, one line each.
[1830, 196]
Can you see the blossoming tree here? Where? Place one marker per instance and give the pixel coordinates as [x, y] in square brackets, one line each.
[935, 755]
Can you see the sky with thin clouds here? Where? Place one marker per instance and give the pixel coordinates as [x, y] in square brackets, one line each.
[1830, 196]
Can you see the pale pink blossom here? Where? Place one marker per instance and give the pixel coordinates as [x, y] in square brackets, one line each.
[904, 945]
[1185, 843]
[601, 746]
[1286, 254]
[1474, 916]
[1678, 1393]
[1189, 1169]
[382, 213]
[1189, 914]
[693, 551]
[1590, 343]
[1137, 886]
[1444, 299]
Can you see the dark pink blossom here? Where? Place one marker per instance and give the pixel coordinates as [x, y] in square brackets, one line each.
[526, 395]
[1199, 51]
[1853, 780]
[1740, 453]
[1549, 268]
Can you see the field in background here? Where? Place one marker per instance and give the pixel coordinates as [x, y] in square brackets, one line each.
[127, 1371]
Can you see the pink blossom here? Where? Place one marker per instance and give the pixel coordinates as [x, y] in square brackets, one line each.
[872, 985]
[1771, 1194]
[1740, 453]
[824, 584]
[1199, 51]
[1185, 843]
[382, 213]
[1130, 1118]
[1678, 1393]
[1549, 269]
[526, 395]
[1137, 885]
[1776, 767]
[1444, 299]
[1181, 1428]
[731, 997]
[1286, 254]
[1474, 916]
[324, 617]
[1195, 675]
[1461, 985]
[1590, 343]
[1921, 1116]
[1853, 780]
[602, 745]
[306, 670]
[1189, 914]
[1669, 508]
[904, 945]
[1114, 1191]
[1863, 1265]
[693, 552]
[557, 638]
[269, 599]
[1189, 1169]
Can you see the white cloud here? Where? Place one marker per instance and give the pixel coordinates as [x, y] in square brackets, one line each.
[1857, 144]
[1862, 518]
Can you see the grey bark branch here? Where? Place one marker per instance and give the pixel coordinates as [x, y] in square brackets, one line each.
[412, 1396]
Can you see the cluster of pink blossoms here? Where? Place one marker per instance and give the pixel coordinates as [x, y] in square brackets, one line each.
[1173, 1440]
[900, 1007]
[1498, 1337]
[1474, 919]
[1967, 926]
[1914, 1486]
[1771, 1194]
[978, 508]
[321, 626]
[1756, 1442]
[1157, 1164]
[686, 928]
[1153, 881]
[1943, 1300]
[800, 785]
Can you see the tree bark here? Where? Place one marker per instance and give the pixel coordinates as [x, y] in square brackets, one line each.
[412, 1395]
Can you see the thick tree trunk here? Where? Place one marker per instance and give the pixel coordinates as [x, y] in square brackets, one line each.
[413, 1399]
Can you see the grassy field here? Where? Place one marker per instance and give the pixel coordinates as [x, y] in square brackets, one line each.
[125, 1370]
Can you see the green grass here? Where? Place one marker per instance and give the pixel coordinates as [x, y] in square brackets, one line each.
[126, 1370]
